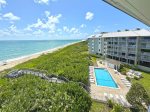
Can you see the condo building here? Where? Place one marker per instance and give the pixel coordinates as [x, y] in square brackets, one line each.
[129, 46]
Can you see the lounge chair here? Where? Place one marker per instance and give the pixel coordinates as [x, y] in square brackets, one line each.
[91, 77]
[131, 71]
[124, 101]
[90, 74]
[122, 78]
[92, 81]
[106, 96]
[111, 96]
[128, 86]
[127, 83]
[118, 100]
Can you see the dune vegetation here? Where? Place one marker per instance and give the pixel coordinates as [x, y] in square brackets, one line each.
[32, 94]
[71, 62]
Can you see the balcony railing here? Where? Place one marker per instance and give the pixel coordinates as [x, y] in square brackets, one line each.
[132, 51]
[145, 54]
[143, 58]
[145, 40]
[133, 41]
[131, 57]
[145, 47]
[132, 46]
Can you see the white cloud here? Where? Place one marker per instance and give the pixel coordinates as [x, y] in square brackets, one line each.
[83, 25]
[49, 24]
[38, 33]
[97, 30]
[0, 16]
[10, 16]
[66, 29]
[2, 3]
[71, 30]
[89, 16]
[41, 1]
[44, 1]
[74, 30]
[47, 13]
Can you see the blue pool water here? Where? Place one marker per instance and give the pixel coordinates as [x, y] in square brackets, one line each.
[103, 78]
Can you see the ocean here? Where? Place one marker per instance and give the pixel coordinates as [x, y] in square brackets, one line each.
[18, 48]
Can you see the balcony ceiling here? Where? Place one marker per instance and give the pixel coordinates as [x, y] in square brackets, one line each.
[139, 9]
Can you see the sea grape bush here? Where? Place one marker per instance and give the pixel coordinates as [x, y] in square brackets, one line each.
[32, 94]
[71, 62]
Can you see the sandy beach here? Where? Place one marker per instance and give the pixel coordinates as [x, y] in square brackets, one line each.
[13, 62]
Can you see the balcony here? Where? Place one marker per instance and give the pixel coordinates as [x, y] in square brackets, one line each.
[132, 41]
[122, 56]
[145, 41]
[131, 57]
[145, 54]
[132, 51]
[145, 58]
[131, 46]
[145, 47]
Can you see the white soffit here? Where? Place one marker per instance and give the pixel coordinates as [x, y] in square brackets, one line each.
[139, 9]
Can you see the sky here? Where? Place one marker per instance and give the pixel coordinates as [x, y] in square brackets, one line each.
[60, 19]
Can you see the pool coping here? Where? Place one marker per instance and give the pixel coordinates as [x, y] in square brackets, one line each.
[111, 76]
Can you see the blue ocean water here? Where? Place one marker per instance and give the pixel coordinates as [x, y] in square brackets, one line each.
[103, 78]
[14, 49]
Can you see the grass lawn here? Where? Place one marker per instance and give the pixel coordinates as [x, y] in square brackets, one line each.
[145, 81]
[99, 107]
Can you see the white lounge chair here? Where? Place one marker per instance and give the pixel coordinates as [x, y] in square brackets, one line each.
[131, 71]
[128, 86]
[124, 101]
[122, 78]
[106, 96]
[91, 77]
[127, 83]
[92, 81]
[118, 100]
[111, 96]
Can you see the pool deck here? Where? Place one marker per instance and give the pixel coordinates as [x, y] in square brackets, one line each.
[98, 92]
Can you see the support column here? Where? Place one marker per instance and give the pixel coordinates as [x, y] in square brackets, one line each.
[136, 50]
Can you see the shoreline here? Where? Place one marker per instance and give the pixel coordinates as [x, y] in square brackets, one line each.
[15, 61]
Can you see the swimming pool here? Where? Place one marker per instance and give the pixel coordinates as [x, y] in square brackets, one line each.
[103, 78]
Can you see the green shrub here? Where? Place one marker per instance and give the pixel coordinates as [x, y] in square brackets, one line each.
[136, 95]
[128, 78]
[136, 78]
[117, 108]
[33, 94]
[123, 72]
[71, 62]
[110, 103]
